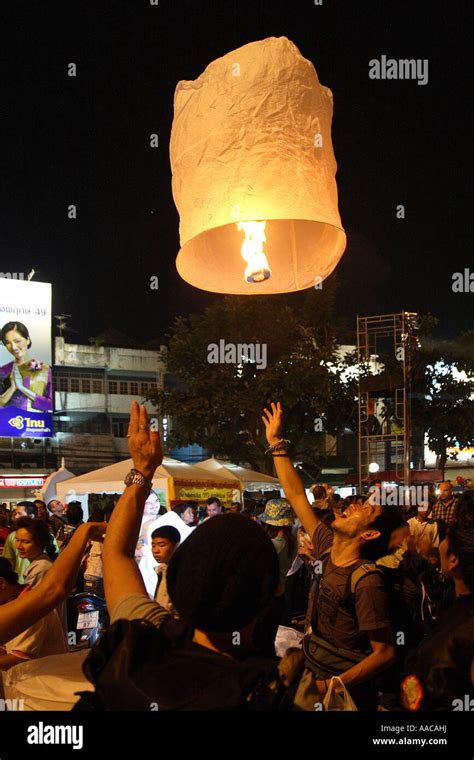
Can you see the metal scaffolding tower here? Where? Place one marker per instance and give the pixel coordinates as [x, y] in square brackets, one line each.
[384, 433]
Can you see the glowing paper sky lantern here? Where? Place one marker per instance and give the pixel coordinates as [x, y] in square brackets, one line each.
[254, 173]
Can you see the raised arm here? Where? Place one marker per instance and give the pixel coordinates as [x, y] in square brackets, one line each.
[122, 577]
[286, 473]
[58, 582]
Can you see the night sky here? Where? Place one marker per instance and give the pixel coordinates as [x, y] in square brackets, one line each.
[84, 140]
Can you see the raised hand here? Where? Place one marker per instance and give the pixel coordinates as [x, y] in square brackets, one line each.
[18, 380]
[144, 444]
[273, 419]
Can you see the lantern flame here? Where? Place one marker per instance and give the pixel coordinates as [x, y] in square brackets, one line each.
[257, 269]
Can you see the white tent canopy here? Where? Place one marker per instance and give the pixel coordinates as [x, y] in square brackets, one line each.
[250, 479]
[110, 479]
[49, 488]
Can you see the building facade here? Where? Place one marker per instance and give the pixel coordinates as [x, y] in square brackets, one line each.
[94, 386]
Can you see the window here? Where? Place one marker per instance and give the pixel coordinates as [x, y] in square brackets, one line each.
[124, 389]
[63, 384]
[134, 389]
[112, 386]
[143, 388]
[86, 386]
[97, 427]
[119, 428]
[74, 384]
[97, 386]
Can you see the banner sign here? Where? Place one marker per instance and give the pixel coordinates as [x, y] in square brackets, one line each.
[31, 482]
[26, 388]
[204, 492]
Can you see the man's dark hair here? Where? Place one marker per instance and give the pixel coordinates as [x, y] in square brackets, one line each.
[272, 532]
[319, 492]
[98, 515]
[6, 571]
[214, 500]
[75, 513]
[107, 512]
[181, 508]
[168, 532]
[385, 523]
[460, 537]
[29, 506]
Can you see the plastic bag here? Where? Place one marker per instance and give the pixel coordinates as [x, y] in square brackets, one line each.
[48, 683]
[287, 638]
[337, 697]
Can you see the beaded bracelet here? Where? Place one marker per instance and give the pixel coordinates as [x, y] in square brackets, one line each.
[278, 445]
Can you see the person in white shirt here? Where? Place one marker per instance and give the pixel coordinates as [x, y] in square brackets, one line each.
[424, 532]
[42, 638]
[20, 612]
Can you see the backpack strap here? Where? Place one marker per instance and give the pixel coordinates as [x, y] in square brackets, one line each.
[311, 609]
[368, 568]
[325, 555]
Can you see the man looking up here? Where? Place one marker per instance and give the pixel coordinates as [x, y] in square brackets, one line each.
[351, 635]
[58, 518]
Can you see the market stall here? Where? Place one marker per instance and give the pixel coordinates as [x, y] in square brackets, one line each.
[252, 481]
[173, 481]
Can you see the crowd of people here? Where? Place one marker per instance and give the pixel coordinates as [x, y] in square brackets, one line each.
[382, 596]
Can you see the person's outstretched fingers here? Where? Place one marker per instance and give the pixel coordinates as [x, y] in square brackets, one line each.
[134, 416]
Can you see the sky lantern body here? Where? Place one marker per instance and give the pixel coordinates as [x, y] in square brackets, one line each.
[251, 142]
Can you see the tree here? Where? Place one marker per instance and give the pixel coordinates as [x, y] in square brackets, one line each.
[443, 391]
[219, 405]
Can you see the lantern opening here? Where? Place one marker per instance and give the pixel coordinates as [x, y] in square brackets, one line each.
[257, 269]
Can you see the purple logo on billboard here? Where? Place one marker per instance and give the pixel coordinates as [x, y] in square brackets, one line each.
[14, 422]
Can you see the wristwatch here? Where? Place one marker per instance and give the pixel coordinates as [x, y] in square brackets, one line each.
[135, 477]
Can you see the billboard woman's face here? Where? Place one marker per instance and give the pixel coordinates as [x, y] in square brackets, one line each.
[17, 345]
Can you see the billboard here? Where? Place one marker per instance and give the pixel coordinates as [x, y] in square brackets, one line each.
[380, 414]
[26, 388]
